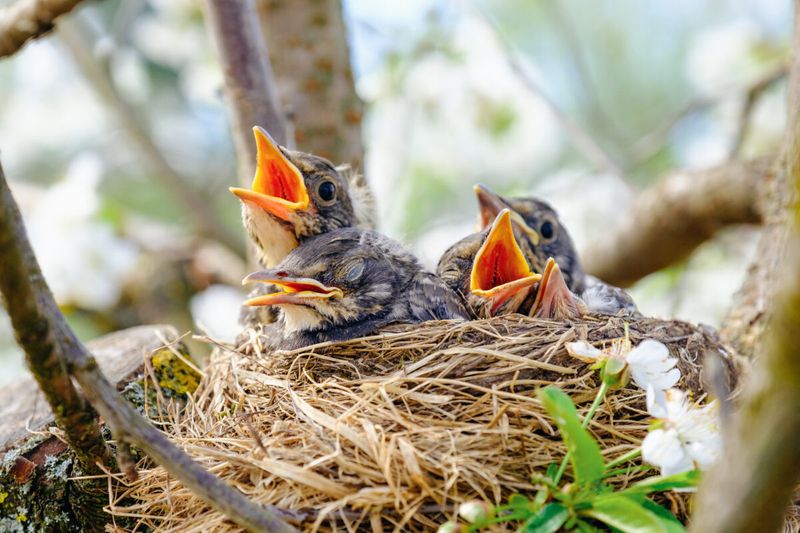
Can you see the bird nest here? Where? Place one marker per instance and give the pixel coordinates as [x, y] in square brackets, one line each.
[393, 431]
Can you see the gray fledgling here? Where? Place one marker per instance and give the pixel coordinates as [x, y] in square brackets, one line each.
[349, 283]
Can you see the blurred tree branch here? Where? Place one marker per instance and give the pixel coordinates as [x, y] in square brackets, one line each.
[581, 140]
[200, 210]
[668, 221]
[752, 484]
[252, 95]
[54, 354]
[28, 19]
[653, 142]
[307, 42]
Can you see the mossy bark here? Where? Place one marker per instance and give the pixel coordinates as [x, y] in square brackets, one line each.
[38, 492]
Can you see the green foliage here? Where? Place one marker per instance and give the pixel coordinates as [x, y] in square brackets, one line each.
[588, 503]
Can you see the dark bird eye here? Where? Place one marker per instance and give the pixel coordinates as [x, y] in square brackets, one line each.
[327, 191]
[547, 230]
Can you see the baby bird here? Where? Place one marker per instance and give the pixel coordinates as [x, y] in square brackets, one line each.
[489, 270]
[295, 196]
[349, 283]
[538, 224]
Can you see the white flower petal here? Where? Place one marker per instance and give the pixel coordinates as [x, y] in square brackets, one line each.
[648, 351]
[663, 448]
[584, 351]
[656, 402]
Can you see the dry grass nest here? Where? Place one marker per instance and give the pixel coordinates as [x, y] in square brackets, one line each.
[393, 431]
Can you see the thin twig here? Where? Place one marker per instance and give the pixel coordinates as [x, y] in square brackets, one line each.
[651, 143]
[95, 71]
[582, 141]
[752, 96]
[29, 19]
[51, 347]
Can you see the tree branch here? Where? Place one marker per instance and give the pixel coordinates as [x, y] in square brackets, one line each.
[252, 95]
[307, 41]
[753, 482]
[581, 140]
[51, 347]
[26, 297]
[668, 221]
[28, 19]
[197, 208]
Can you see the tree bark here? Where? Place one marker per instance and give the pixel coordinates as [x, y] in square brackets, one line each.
[38, 488]
[28, 19]
[52, 349]
[307, 41]
[668, 221]
[251, 94]
[752, 484]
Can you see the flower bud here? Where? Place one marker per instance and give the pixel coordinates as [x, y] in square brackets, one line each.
[474, 511]
[615, 373]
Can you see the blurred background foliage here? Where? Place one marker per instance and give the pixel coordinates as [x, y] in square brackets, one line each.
[87, 112]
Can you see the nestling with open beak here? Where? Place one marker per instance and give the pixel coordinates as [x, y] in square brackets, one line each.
[295, 196]
[489, 270]
[349, 283]
[542, 236]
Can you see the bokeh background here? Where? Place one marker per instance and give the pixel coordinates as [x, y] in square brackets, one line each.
[657, 85]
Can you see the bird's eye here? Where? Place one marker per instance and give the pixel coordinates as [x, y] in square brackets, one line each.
[547, 230]
[327, 191]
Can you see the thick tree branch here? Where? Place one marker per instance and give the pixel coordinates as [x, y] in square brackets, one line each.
[28, 19]
[27, 299]
[669, 220]
[197, 208]
[307, 41]
[252, 95]
[51, 347]
[752, 484]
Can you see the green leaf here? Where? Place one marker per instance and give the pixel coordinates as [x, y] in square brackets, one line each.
[673, 524]
[548, 520]
[684, 480]
[586, 527]
[628, 515]
[587, 463]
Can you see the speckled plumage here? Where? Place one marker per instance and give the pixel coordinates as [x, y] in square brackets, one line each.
[381, 283]
[274, 237]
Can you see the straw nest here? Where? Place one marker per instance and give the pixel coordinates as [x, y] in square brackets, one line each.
[393, 431]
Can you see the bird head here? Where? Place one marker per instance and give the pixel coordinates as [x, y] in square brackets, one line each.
[335, 279]
[537, 223]
[293, 196]
[500, 278]
[554, 300]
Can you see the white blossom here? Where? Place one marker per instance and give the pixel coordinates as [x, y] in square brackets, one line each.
[649, 363]
[687, 437]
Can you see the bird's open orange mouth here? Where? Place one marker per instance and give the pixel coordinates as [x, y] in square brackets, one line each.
[294, 290]
[500, 270]
[278, 185]
[553, 298]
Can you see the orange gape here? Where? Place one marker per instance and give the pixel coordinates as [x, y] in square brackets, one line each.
[500, 269]
[278, 185]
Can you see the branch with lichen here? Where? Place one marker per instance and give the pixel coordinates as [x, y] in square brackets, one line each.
[55, 355]
[668, 221]
[753, 483]
[29, 19]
